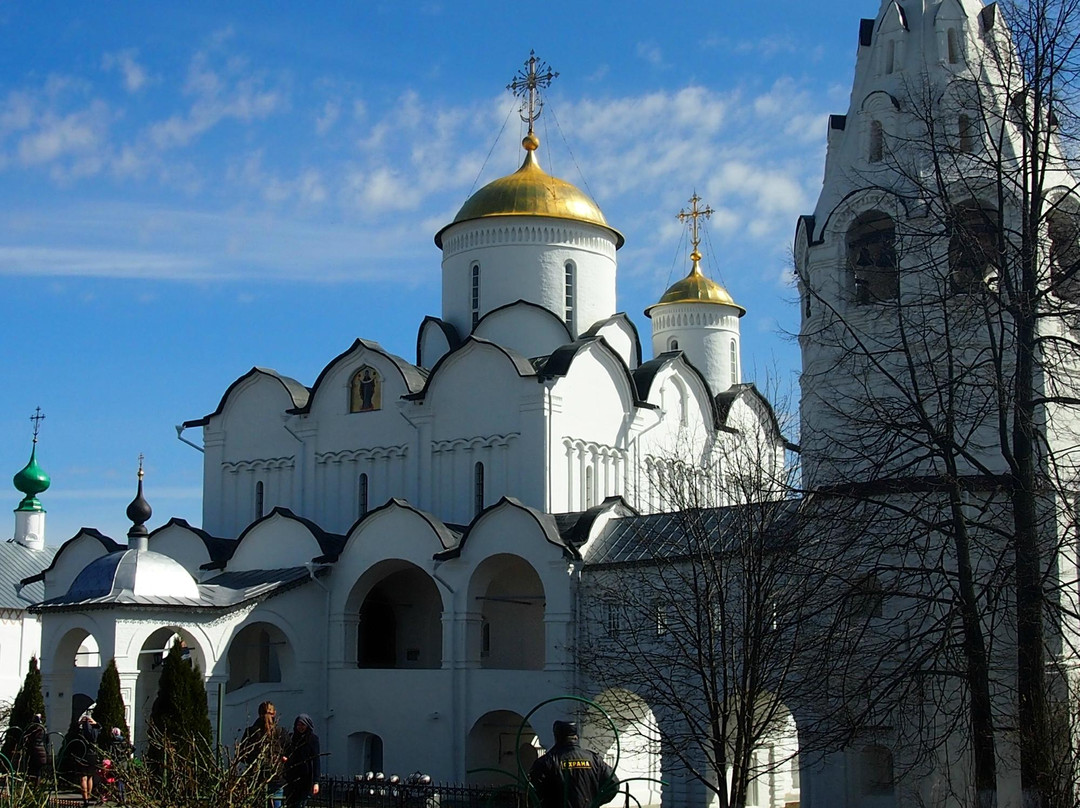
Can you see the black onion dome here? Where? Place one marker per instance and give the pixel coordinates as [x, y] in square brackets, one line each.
[139, 511]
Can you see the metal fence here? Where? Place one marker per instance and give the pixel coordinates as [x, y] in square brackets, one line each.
[366, 794]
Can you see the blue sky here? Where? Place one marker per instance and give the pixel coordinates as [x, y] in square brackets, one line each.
[190, 189]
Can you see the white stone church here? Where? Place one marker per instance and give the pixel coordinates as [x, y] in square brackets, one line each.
[396, 546]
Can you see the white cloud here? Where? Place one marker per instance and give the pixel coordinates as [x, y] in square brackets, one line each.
[217, 96]
[134, 75]
[53, 136]
[325, 121]
[650, 53]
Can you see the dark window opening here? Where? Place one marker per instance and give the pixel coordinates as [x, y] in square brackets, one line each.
[478, 488]
[377, 633]
[871, 255]
[973, 251]
[475, 296]
[1064, 230]
[363, 494]
[259, 500]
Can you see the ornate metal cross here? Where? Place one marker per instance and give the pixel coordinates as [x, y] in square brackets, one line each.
[693, 215]
[37, 418]
[527, 84]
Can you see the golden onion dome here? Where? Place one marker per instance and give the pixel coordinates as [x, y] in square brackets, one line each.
[530, 191]
[696, 288]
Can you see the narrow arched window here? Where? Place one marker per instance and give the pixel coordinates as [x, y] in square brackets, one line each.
[877, 142]
[890, 56]
[478, 488]
[734, 351]
[1064, 230]
[362, 495]
[475, 295]
[673, 344]
[259, 500]
[954, 46]
[871, 255]
[569, 293]
[966, 132]
[877, 771]
[590, 487]
[973, 249]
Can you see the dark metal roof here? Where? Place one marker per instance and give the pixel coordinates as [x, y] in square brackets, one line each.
[521, 364]
[527, 304]
[414, 377]
[298, 393]
[670, 536]
[226, 591]
[16, 563]
[453, 339]
[93, 533]
[618, 317]
[218, 549]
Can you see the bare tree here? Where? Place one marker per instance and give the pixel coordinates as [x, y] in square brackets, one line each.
[695, 610]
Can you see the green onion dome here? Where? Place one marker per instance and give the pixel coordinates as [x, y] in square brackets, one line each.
[31, 481]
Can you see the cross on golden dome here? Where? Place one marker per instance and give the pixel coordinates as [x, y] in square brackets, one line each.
[693, 215]
[527, 84]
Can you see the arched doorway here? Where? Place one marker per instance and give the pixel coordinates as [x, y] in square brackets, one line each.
[152, 655]
[365, 753]
[398, 614]
[260, 653]
[509, 595]
[632, 744]
[497, 745]
[75, 674]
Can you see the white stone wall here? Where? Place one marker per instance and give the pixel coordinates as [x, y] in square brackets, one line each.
[524, 258]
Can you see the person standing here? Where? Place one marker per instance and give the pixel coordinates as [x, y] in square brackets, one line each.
[120, 753]
[35, 751]
[569, 776]
[263, 745]
[86, 755]
[302, 763]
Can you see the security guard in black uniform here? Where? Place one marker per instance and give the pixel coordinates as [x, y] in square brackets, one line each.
[571, 777]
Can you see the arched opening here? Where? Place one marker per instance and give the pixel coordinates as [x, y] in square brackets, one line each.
[152, 655]
[478, 488]
[634, 741]
[399, 619]
[890, 56]
[973, 249]
[871, 256]
[877, 142]
[259, 500]
[362, 496]
[569, 269]
[258, 654]
[953, 44]
[474, 296]
[365, 753]
[1064, 231]
[965, 134]
[75, 674]
[875, 771]
[509, 595]
[497, 745]
[673, 344]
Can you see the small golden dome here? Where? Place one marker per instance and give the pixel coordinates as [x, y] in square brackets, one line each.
[696, 288]
[530, 191]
